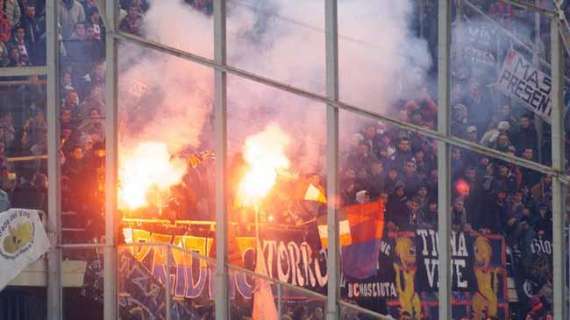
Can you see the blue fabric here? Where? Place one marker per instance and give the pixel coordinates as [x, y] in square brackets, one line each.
[360, 260]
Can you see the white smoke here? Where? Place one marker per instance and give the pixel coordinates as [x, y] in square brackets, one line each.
[167, 99]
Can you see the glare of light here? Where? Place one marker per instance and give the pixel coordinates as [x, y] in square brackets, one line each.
[264, 154]
[145, 172]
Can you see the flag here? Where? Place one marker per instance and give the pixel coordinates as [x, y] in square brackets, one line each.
[314, 194]
[263, 302]
[23, 240]
[343, 231]
[366, 221]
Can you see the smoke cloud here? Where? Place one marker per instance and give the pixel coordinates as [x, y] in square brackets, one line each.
[166, 99]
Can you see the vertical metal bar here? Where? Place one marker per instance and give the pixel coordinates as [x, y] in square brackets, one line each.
[443, 163]
[421, 15]
[459, 12]
[220, 126]
[54, 291]
[538, 123]
[168, 284]
[333, 259]
[279, 301]
[558, 189]
[111, 159]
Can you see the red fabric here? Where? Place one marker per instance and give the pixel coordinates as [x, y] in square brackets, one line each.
[5, 28]
[366, 221]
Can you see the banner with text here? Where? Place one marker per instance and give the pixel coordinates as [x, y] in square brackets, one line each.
[530, 86]
[405, 276]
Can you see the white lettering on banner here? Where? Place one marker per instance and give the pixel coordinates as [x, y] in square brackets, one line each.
[293, 263]
[457, 268]
[283, 260]
[307, 253]
[371, 290]
[520, 80]
[295, 260]
[541, 247]
[269, 247]
[431, 268]
[459, 255]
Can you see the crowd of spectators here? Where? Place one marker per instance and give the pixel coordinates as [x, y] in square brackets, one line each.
[22, 33]
[23, 126]
[489, 195]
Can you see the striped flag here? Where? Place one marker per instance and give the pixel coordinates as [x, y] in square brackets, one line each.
[366, 221]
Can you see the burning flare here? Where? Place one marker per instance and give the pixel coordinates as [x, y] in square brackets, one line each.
[265, 156]
[147, 171]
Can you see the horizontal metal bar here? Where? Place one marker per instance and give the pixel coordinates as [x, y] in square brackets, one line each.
[23, 71]
[169, 246]
[212, 224]
[277, 282]
[345, 106]
[365, 311]
[163, 221]
[26, 158]
[530, 7]
[77, 246]
[12, 83]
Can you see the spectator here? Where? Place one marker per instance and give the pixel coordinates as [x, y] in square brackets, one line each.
[458, 215]
[11, 10]
[396, 208]
[428, 216]
[459, 124]
[19, 41]
[5, 26]
[133, 21]
[71, 12]
[490, 137]
[95, 28]
[403, 153]
[14, 59]
[529, 177]
[7, 130]
[33, 34]
[525, 136]
[471, 134]
[376, 178]
[142, 5]
[89, 6]
[410, 178]
[4, 55]
[34, 131]
[79, 32]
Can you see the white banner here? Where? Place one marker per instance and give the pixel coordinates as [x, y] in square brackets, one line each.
[521, 80]
[23, 240]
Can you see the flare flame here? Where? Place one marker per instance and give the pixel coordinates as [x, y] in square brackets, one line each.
[265, 156]
[147, 172]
